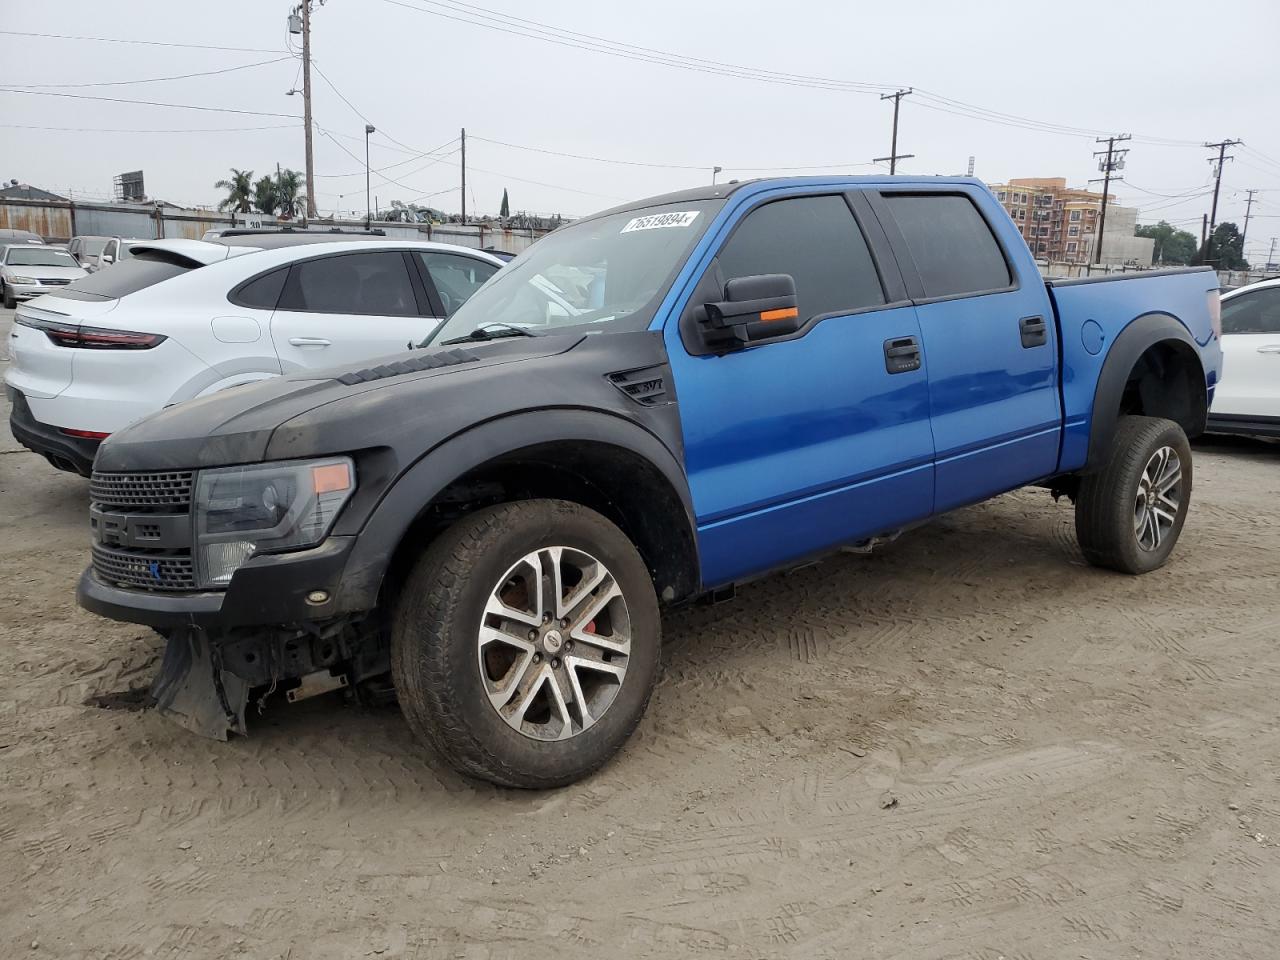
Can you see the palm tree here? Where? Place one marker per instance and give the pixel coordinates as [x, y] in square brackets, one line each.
[239, 191]
[265, 196]
[288, 200]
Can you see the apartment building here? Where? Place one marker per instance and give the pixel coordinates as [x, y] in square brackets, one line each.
[1060, 223]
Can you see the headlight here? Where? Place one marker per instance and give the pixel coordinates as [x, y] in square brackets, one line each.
[266, 508]
[23, 280]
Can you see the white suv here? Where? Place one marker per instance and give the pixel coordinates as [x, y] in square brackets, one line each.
[187, 318]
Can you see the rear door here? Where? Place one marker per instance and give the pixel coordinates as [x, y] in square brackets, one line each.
[989, 342]
[1250, 385]
[346, 307]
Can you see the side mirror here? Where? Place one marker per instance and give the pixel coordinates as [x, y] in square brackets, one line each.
[754, 308]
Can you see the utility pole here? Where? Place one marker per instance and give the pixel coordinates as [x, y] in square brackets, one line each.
[1271, 254]
[1248, 208]
[464, 174]
[306, 106]
[1113, 161]
[1221, 146]
[894, 156]
[368, 210]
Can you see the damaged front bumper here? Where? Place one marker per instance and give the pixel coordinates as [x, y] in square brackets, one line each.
[206, 678]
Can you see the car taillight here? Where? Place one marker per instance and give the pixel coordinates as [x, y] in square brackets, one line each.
[84, 434]
[1215, 312]
[91, 338]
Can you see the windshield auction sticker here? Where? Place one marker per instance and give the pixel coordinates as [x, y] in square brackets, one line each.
[658, 221]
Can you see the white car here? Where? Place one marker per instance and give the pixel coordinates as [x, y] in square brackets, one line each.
[1247, 399]
[94, 253]
[186, 318]
[28, 270]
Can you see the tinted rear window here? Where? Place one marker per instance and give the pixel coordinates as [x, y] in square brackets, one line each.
[952, 246]
[128, 276]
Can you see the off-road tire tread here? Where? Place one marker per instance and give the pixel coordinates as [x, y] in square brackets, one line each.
[1104, 505]
[424, 683]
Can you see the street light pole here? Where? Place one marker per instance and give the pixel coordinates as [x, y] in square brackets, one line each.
[714, 172]
[368, 210]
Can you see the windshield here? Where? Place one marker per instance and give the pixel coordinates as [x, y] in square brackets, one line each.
[607, 273]
[39, 257]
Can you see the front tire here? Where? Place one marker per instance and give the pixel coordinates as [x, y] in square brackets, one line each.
[10, 301]
[525, 643]
[1130, 513]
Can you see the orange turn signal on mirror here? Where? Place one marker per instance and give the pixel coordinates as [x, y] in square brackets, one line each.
[331, 477]
[786, 313]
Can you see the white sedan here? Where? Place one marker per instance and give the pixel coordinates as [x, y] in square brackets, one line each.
[1247, 400]
[186, 318]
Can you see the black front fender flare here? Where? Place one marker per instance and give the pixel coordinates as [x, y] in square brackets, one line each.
[421, 483]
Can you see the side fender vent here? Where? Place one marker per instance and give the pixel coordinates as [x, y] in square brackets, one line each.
[647, 386]
[415, 364]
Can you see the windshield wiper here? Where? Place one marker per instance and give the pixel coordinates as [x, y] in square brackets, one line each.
[485, 333]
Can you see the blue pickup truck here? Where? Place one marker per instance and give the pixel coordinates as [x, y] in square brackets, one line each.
[649, 406]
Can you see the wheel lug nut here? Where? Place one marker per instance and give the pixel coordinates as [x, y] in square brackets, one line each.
[555, 663]
[533, 634]
[564, 622]
[537, 658]
[568, 644]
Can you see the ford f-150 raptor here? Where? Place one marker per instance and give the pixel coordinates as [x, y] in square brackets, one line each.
[649, 406]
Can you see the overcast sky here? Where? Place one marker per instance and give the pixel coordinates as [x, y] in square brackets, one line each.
[1173, 71]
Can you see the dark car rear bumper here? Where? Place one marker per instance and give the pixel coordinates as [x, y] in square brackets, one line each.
[1243, 426]
[73, 454]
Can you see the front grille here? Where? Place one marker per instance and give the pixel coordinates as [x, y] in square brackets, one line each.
[143, 492]
[147, 571]
[54, 283]
[121, 501]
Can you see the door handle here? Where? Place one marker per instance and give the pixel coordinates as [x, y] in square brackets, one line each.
[309, 341]
[902, 354]
[1033, 331]
[1270, 348]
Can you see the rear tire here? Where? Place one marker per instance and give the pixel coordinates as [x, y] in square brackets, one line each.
[525, 643]
[1130, 513]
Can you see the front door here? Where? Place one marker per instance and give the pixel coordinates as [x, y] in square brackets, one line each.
[800, 444]
[349, 307]
[989, 341]
[1250, 385]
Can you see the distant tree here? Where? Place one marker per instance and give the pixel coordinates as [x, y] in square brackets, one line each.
[239, 191]
[1172, 245]
[289, 201]
[265, 197]
[1226, 248]
[505, 210]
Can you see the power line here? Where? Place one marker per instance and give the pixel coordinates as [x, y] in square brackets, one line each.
[665, 166]
[149, 103]
[123, 83]
[539, 183]
[147, 43]
[383, 177]
[29, 126]
[356, 110]
[392, 166]
[535, 30]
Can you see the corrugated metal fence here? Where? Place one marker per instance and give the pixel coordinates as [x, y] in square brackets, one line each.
[59, 221]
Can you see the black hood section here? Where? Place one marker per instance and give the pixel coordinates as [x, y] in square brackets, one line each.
[236, 425]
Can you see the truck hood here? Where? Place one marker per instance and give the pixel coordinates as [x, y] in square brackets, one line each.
[247, 424]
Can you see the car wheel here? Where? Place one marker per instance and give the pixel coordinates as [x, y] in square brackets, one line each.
[10, 301]
[525, 643]
[1130, 513]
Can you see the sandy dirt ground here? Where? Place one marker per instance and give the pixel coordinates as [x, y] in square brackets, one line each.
[1084, 765]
